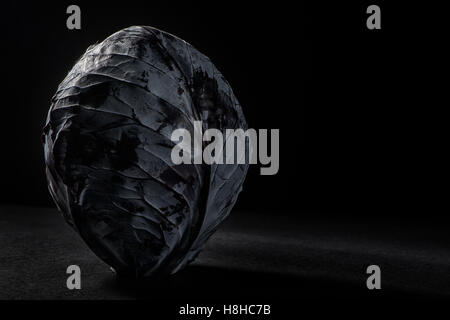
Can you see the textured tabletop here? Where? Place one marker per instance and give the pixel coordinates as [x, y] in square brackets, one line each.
[251, 256]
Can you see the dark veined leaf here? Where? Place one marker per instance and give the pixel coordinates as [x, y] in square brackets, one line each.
[108, 151]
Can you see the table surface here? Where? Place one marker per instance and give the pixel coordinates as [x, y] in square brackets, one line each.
[251, 256]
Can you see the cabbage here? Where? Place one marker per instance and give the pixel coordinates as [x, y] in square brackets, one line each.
[107, 144]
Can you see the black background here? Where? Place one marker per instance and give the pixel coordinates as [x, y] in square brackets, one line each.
[349, 102]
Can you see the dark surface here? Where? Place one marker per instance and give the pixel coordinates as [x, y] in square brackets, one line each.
[259, 258]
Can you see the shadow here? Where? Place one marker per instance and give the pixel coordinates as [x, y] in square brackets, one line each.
[207, 283]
